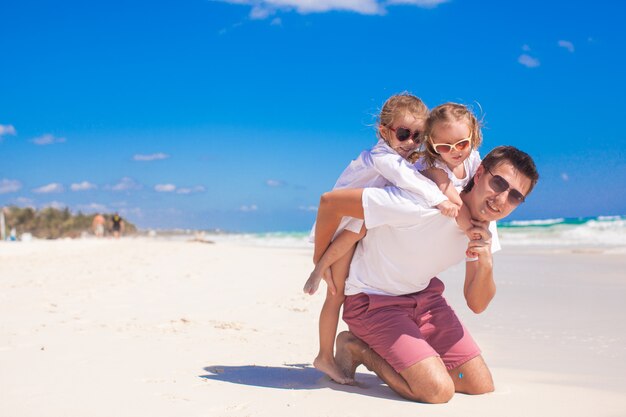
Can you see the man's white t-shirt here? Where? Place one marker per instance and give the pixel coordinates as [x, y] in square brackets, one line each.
[406, 244]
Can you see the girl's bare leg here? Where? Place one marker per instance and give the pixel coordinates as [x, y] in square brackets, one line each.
[329, 318]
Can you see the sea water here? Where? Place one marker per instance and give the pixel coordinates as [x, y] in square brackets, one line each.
[599, 231]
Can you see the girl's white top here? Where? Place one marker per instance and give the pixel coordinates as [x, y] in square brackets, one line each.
[471, 164]
[379, 167]
[382, 166]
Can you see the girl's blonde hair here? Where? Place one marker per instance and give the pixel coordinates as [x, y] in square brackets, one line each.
[448, 113]
[397, 104]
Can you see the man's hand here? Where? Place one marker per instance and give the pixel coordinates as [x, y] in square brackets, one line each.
[479, 245]
[448, 208]
[464, 220]
[479, 288]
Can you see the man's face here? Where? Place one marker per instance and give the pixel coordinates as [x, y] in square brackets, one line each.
[488, 204]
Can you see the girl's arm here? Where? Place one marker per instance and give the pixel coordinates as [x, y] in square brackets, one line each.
[404, 175]
[439, 177]
[442, 180]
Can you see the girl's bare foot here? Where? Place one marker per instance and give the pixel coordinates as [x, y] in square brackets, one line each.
[313, 282]
[330, 368]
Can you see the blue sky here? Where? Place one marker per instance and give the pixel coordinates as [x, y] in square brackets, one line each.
[239, 114]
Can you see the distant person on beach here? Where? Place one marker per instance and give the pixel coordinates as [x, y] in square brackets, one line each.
[97, 225]
[401, 326]
[402, 123]
[118, 225]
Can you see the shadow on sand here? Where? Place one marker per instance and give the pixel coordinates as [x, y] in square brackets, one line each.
[297, 377]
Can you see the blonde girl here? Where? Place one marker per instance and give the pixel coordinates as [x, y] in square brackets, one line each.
[450, 157]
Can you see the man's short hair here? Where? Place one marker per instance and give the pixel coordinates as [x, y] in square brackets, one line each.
[520, 160]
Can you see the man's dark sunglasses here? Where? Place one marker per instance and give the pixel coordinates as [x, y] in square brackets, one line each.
[500, 185]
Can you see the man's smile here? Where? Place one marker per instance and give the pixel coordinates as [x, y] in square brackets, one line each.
[491, 206]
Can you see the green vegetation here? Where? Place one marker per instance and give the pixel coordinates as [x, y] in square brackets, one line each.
[52, 223]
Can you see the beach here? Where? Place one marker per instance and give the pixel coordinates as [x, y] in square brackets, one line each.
[163, 327]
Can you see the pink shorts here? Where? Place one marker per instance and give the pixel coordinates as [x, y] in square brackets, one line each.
[406, 329]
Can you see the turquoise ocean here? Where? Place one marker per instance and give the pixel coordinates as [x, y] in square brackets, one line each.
[599, 231]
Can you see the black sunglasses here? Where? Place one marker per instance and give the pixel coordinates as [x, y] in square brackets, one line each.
[403, 133]
[500, 185]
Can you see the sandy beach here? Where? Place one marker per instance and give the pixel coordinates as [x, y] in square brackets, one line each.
[149, 327]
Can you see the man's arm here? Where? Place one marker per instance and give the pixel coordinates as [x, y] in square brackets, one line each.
[480, 287]
[340, 247]
[333, 206]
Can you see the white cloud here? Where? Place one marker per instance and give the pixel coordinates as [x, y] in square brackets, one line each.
[24, 200]
[274, 183]
[54, 187]
[196, 189]
[165, 188]
[170, 188]
[567, 45]
[261, 12]
[308, 208]
[7, 130]
[419, 3]
[136, 212]
[151, 157]
[564, 176]
[54, 204]
[276, 22]
[9, 186]
[47, 139]
[125, 184]
[83, 186]
[223, 32]
[93, 208]
[262, 9]
[249, 208]
[528, 61]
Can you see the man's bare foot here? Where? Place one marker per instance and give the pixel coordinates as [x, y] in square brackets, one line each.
[330, 368]
[348, 353]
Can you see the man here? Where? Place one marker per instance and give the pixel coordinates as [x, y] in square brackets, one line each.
[118, 225]
[413, 339]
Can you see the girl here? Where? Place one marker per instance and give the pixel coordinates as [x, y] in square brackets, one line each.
[401, 121]
[449, 152]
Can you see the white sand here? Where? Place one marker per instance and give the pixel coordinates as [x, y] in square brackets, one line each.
[141, 327]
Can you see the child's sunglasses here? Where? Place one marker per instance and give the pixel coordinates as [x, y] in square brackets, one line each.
[500, 185]
[403, 133]
[446, 147]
